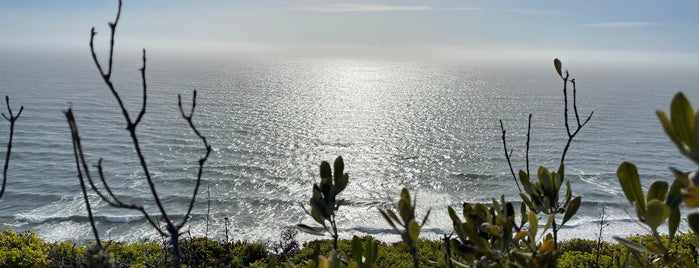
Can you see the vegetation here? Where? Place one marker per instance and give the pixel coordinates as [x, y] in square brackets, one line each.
[100, 255]
[486, 235]
[26, 250]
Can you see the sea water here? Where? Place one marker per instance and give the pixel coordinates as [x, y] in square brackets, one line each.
[429, 125]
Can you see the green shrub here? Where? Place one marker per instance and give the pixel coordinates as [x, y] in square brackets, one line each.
[144, 254]
[22, 250]
[583, 259]
[243, 254]
[66, 254]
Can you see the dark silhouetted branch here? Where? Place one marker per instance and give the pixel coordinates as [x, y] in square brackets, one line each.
[579, 125]
[77, 152]
[10, 117]
[508, 155]
[170, 228]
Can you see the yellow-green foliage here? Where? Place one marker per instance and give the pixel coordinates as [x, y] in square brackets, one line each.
[139, 254]
[246, 253]
[22, 250]
[66, 254]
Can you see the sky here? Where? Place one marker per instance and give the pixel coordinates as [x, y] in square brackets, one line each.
[603, 29]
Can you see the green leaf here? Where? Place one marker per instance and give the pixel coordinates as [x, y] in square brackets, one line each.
[569, 194]
[656, 213]
[372, 252]
[424, 219]
[674, 222]
[394, 217]
[413, 231]
[669, 130]
[526, 183]
[557, 64]
[310, 230]
[389, 220]
[545, 181]
[552, 217]
[573, 207]
[674, 196]
[631, 184]
[339, 167]
[357, 249]
[316, 213]
[682, 118]
[325, 171]
[453, 216]
[341, 183]
[693, 220]
[405, 195]
[657, 190]
[405, 210]
[533, 224]
[632, 245]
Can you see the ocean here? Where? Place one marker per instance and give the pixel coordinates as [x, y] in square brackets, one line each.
[429, 125]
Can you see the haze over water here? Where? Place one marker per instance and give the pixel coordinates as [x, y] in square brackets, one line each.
[427, 124]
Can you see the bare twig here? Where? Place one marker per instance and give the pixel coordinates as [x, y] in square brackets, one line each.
[170, 228]
[11, 117]
[579, 125]
[529, 131]
[508, 155]
[77, 152]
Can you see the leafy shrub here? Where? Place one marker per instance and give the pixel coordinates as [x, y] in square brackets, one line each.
[22, 250]
[583, 259]
[243, 254]
[66, 254]
[200, 251]
[139, 254]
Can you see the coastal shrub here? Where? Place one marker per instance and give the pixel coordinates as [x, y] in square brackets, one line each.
[575, 259]
[409, 227]
[66, 254]
[22, 250]
[543, 195]
[137, 254]
[199, 251]
[244, 254]
[324, 203]
[661, 204]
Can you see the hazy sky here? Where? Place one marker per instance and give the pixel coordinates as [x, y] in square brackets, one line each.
[660, 29]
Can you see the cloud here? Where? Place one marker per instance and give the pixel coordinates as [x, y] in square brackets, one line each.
[621, 24]
[529, 11]
[360, 8]
[462, 8]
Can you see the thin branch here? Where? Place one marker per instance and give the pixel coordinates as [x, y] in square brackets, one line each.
[77, 152]
[11, 118]
[202, 160]
[112, 26]
[131, 125]
[507, 156]
[529, 131]
[112, 200]
[579, 126]
[143, 79]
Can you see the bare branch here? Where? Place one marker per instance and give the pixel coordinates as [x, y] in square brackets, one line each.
[77, 152]
[507, 156]
[11, 117]
[172, 230]
[571, 135]
[529, 131]
[143, 79]
[202, 160]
